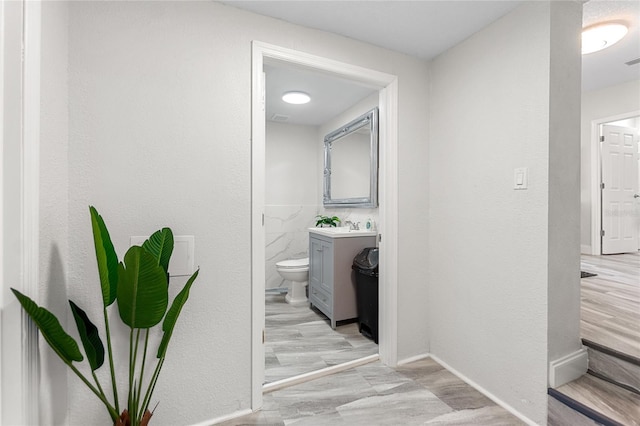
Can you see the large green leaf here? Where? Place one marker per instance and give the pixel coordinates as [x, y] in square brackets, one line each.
[63, 344]
[106, 257]
[172, 315]
[160, 244]
[143, 293]
[89, 336]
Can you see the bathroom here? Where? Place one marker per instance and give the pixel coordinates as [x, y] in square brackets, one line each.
[294, 178]
[295, 163]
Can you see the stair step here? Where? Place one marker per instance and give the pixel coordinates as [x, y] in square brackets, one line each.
[604, 402]
[561, 413]
[613, 366]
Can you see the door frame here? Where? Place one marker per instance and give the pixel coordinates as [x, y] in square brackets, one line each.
[20, 212]
[387, 85]
[596, 177]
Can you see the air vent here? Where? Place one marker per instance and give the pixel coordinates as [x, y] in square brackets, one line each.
[279, 117]
[634, 62]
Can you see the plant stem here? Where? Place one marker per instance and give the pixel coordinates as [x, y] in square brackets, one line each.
[152, 385]
[132, 406]
[144, 359]
[114, 384]
[131, 370]
[95, 378]
[112, 411]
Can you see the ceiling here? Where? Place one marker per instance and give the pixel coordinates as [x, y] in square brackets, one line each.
[423, 29]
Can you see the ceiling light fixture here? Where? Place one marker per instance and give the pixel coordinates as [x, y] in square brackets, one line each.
[601, 36]
[296, 98]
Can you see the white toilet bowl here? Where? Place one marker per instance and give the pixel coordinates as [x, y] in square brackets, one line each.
[296, 271]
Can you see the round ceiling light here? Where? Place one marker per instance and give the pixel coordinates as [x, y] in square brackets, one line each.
[296, 98]
[601, 36]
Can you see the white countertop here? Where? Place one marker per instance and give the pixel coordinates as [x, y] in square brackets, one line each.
[342, 232]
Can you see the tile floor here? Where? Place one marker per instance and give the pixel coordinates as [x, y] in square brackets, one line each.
[299, 340]
[420, 393]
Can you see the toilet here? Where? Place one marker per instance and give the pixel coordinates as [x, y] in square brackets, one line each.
[297, 272]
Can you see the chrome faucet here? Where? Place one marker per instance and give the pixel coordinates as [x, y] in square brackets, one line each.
[352, 226]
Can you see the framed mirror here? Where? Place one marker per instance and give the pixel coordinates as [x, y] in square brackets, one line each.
[351, 163]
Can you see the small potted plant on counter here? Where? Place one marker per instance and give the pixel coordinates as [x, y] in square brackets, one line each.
[327, 221]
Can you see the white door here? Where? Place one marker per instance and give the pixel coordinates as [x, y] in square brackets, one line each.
[619, 187]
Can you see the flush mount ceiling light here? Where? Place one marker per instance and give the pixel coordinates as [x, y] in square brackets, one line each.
[296, 98]
[601, 36]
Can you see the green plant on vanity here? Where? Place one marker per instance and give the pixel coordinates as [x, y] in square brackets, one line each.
[140, 286]
[327, 220]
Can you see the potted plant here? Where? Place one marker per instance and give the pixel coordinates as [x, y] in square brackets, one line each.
[331, 221]
[139, 285]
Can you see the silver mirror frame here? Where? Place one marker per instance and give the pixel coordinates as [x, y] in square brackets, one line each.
[370, 119]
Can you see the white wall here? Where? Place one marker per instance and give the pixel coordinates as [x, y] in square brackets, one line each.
[159, 135]
[597, 104]
[291, 199]
[54, 202]
[488, 243]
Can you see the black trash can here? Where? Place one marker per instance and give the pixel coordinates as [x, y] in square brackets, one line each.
[365, 265]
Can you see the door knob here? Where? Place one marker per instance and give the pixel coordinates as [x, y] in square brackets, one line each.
[636, 195]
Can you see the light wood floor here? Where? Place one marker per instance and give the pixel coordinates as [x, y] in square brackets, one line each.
[611, 302]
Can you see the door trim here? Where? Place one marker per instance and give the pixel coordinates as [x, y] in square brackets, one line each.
[596, 178]
[20, 204]
[387, 85]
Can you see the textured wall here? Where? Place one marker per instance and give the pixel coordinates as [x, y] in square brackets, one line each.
[54, 203]
[488, 244]
[159, 125]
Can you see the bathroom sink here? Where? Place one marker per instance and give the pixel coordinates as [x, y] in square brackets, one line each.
[342, 232]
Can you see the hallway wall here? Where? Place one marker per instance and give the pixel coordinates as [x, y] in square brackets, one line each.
[491, 270]
[160, 135]
[54, 203]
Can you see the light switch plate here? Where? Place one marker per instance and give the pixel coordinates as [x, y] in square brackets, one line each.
[182, 258]
[520, 178]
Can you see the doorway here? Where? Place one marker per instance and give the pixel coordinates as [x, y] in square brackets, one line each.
[599, 217]
[609, 290]
[387, 86]
[298, 338]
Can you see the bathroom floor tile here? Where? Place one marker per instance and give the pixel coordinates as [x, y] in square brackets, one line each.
[374, 394]
[299, 340]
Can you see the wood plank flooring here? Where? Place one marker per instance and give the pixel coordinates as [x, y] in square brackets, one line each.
[610, 302]
[300, 340]
[612, 401]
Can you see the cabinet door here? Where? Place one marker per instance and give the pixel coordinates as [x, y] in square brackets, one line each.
[326, 281]
[315, 262]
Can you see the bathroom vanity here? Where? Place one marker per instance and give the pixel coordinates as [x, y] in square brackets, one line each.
[332, 286]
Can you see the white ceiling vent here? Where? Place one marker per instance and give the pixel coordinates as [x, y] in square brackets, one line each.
[633, 62]
[279, 117]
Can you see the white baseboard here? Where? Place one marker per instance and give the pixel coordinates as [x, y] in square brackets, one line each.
[568, 368]
[413, 359]
[224, 418]
[585, 249]
[485, 392]
[302, 378]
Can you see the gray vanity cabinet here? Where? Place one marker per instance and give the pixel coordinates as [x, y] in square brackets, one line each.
[332, 288]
